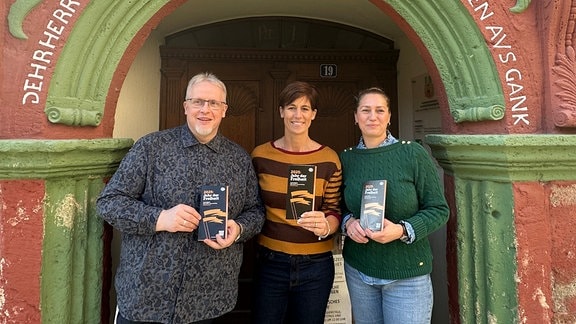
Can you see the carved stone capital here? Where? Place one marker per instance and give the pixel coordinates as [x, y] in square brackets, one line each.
[494, 112]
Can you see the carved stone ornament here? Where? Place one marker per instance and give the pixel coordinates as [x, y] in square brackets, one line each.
[565, 67]
[564, 73]
[18, 11]
[521, 6]
[494, 112]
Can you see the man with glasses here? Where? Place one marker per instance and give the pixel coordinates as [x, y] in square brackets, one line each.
[166, 275]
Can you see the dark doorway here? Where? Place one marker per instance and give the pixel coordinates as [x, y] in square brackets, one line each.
[256, 58]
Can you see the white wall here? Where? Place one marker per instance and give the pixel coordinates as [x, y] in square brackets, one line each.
[410, 65]
[137, 110]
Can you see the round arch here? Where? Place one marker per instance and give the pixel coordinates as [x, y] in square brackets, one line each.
[105, 34]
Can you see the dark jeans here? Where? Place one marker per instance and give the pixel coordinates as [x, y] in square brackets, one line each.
[292, 288]
[121, 320]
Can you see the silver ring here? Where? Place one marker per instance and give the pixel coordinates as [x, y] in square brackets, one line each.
[315, 224]
[184, 224]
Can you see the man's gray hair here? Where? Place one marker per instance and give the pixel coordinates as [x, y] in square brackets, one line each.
[206, 76]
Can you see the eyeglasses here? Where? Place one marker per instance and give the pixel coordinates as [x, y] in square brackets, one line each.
[197, 103]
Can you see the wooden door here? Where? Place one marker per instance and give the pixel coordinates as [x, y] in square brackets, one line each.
[254, 79]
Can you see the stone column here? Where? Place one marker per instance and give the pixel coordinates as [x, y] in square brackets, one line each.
[511, 229]
[52, 244]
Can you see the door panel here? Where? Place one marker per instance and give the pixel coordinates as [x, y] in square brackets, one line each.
[243, 107]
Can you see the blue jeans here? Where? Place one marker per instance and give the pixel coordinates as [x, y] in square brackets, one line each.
[389, 301]
[292, 288]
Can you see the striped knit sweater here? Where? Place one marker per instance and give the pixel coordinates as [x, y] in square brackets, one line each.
[282, 234]
[414, 194]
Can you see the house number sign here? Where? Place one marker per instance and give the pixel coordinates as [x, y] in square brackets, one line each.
[328, 70]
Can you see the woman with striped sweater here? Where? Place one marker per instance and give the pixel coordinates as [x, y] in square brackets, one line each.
[295, 268]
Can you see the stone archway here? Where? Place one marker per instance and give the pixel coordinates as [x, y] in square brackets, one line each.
[499, 273]
[81, 91]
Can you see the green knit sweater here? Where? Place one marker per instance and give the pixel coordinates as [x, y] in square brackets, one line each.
[414, 194]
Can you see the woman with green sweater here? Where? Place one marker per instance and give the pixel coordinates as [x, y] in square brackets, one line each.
[388, 270]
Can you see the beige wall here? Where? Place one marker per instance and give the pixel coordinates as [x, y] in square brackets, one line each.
[137, 111]
[410, 65]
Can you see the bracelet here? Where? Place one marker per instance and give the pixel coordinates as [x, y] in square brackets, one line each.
[327, 233]
[405, 237]
[239, 234]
